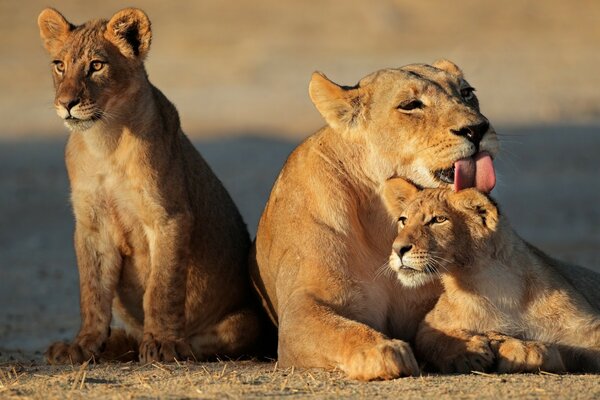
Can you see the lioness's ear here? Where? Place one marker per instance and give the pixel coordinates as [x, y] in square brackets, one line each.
[54, 29]
[474, 202]
[129, 30]
[342, 107]
[397, 193]
[449, 67]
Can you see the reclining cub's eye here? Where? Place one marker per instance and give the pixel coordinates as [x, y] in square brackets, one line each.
[438, 219]
[467, 93]
[402, 221]
[411, 105]
[59, 66]
[96, 65]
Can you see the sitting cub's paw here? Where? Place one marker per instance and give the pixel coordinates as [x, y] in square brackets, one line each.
[69, 353]
[474, 354]
[152, 349]
[516, 355]
[387, 360]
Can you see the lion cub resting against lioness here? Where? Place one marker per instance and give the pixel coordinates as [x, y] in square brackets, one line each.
[504, 306]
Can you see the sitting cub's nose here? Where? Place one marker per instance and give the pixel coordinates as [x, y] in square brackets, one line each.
[403, 249]
[473, 133]
[68, 102]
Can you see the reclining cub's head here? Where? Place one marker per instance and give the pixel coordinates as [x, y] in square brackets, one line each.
[96, 65]
[439, 230]
[423, 121]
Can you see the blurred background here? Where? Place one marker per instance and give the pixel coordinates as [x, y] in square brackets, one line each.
[238, 72]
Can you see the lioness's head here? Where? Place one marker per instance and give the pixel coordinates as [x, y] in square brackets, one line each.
[439, 230]
[95, 65]
[423, 121]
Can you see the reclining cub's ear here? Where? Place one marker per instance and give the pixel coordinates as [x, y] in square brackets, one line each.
[475, 202]
[129, 30]
[449, 67]
[342, 107]
[54, 29]
[397, 193]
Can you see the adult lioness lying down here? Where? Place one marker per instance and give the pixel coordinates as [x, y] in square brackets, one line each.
[325, 232]
[156, 235]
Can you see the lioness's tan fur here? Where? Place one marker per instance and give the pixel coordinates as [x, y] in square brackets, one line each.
[157, 237]
[505, 306]
[325, 234]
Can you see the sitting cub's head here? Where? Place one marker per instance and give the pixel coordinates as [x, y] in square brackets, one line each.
[421, 122]
[439, 230]
[96, 66]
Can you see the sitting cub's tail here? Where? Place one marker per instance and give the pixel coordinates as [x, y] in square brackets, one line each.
[120, 346]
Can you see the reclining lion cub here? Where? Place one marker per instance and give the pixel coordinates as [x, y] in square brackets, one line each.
[325, 232]
[505, 304]
[157, 236]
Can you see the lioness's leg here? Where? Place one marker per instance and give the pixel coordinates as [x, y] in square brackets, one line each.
[453, 351]
[99, 264]
[164, 298]
[313, 334]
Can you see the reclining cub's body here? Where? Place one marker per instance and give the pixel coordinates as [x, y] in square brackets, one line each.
[157, 235]
[505, 303]
[325, 234]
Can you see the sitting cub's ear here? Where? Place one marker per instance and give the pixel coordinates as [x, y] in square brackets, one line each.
[449, 67]
[397, 193]
[342, 107]
[474, 202]
[54, 29]
[129, 30]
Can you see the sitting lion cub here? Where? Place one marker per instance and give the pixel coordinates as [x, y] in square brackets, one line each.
[505, 303]
[157, 237]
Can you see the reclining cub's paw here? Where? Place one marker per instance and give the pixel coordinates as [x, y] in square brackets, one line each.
[516, 355]
[388, 360]
[474, 355]
[152, 350]
[66, 353]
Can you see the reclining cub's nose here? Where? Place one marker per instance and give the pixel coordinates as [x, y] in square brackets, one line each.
[68, 102]
[473, 133]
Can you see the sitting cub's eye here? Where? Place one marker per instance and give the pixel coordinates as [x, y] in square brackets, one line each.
[402, 221]
[438, 219]
[467, 93]
[59, 66]
[96, 66]
[411, 105]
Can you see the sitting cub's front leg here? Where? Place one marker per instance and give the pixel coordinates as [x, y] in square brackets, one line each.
[164, 298]
[453, 351]
[99, 264]
[515, 355]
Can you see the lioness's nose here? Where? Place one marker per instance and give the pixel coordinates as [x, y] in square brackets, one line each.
[473, 133]
[403, 249]
[68, 102]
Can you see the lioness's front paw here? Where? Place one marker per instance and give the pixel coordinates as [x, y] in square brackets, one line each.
[152, 349]
[515, 355]
[388, 360]
[69, 353]
[473, 355]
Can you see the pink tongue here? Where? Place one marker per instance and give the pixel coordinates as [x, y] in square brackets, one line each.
[477, 171]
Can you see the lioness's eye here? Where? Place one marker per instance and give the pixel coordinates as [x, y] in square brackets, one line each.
[467, 93]
[411, 105]
[402, 221]
[438, 219]
[59, 66]
[97, 65]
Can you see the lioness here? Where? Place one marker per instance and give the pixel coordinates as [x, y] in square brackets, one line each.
[504, 302]
[157, 235]
[325, 232]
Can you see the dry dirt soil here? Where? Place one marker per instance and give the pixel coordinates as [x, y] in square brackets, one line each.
[238, 72]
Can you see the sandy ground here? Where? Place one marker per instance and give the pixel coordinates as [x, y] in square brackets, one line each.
[238, 72]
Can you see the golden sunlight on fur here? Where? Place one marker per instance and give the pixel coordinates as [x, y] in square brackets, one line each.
[158, 239]
[325, 233]
[506, 305]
